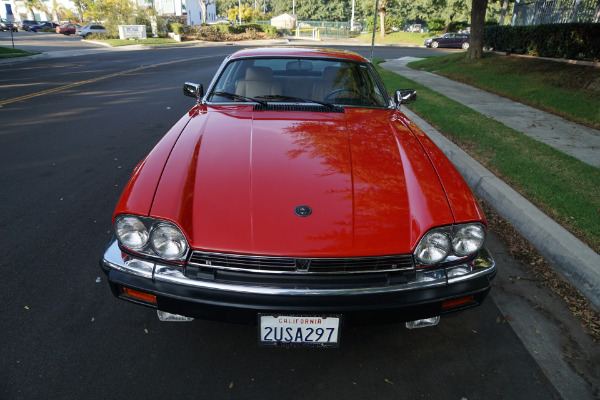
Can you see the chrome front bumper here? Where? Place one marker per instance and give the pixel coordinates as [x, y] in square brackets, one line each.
[115, 259]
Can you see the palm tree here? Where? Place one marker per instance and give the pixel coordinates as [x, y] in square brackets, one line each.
[30, 5]
[58, 11]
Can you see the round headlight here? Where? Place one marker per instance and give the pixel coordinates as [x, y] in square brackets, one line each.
[468, 239]
[433, 248]
[168, 242]
[131, 232]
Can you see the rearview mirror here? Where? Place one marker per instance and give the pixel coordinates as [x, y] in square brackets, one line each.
[405, 96]
[193, 90]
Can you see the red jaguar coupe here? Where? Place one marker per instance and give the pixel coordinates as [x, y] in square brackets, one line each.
[296, 195]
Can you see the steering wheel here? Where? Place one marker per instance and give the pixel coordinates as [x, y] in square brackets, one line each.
[334, 91]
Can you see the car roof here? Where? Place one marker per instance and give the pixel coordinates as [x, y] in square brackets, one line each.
[313, 52]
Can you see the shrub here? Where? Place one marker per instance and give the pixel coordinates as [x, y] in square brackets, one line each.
[572, 41]
[176, 28]
[392, 23]
[436, 24]
[223, 32]
[456, 26]
[100, 36]
[48, 29]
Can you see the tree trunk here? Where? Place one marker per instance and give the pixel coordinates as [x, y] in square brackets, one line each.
[503, 13]
[447, 27]
[477, 22]
[382, 21]
[203, 8]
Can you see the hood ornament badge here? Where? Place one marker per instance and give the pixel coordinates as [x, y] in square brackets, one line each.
[303, 211]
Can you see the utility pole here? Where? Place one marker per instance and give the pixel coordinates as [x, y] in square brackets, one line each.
[352, 18]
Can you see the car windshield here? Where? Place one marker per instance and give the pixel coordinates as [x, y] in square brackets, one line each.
[291, 80]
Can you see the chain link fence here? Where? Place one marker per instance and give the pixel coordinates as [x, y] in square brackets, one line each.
[331, 29]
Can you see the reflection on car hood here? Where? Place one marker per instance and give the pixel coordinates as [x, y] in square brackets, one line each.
[235, 176]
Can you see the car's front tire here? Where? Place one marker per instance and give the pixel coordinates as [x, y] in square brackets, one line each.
[435, 45]
[465, 45]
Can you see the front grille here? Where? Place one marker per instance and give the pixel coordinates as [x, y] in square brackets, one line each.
[267, 264]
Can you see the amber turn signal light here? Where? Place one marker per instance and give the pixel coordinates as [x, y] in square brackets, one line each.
[458, 302]
[139, 295]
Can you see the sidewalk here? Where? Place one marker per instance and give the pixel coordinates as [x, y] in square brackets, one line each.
[572, 259]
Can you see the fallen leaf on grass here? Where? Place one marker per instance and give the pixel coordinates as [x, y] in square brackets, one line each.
[231, 385]
[388, 381]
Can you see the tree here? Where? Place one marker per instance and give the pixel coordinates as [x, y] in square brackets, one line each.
[204, 5]
[58, 11]
[368, 7]
[477, 23]
[249, 14]
[82, 6]
[30, 5]
[382, 11]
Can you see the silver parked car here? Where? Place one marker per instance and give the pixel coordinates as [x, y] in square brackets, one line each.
[89, 29]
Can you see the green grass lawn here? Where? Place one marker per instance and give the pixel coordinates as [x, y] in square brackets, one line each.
[571, 91]
[9, 52]
[397, 37]
[145, 42]
[565, 188]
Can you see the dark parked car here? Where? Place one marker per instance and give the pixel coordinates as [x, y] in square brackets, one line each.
[296, 195]
[449, 40]
[67, 29]
[7, 26]
[27, 23]
[39, 27]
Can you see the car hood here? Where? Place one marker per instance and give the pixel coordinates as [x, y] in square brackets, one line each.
[235, 176]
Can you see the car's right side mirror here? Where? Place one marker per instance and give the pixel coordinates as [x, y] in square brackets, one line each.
[405, 96]
[193, 90]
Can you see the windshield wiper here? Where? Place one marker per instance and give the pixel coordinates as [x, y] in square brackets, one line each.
[298, 99]
[234, 96]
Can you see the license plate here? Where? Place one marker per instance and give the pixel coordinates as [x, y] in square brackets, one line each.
[299, 330]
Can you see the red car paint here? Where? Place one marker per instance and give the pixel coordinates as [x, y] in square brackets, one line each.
[230, 178]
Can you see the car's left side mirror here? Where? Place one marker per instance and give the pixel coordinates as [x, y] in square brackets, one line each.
[405, 96]
[193, 90]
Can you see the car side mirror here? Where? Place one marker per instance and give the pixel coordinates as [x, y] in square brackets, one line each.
[405, 96]
[193, 90]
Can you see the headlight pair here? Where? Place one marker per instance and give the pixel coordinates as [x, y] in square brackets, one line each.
[151, 237]
[459, 240]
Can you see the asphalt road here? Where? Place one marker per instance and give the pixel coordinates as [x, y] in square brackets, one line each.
[44, 41]
[65, 156]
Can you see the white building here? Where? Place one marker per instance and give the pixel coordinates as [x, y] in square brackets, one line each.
[285, 21]
[162, 7]
[194, 12]
[20, 12]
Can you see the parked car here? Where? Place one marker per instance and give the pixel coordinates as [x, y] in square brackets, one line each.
[89, 29]
[7, 26]
[449, 40]
[221, 21]
[67, 29]
[296, 195]
[39, 27]
[26, 23]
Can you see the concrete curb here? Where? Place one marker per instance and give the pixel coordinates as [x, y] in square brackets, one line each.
[572, 259]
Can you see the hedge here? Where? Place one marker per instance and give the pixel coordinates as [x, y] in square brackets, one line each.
[237, 29]
[577, 41]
